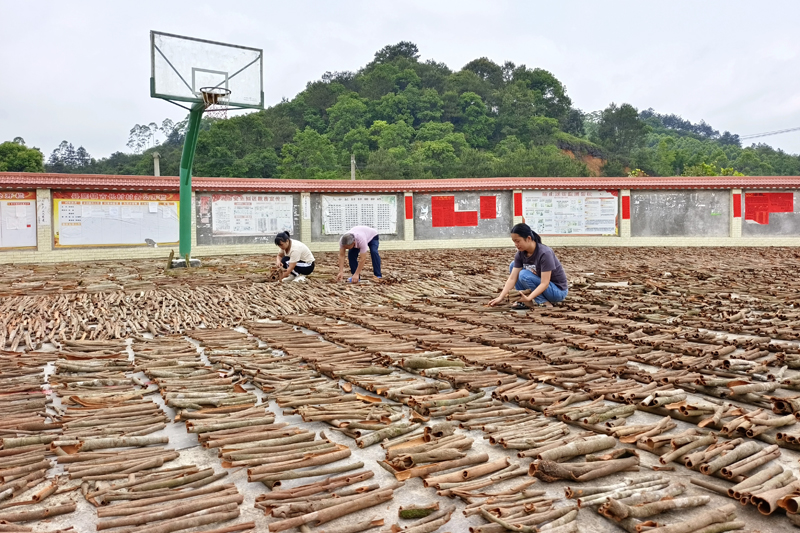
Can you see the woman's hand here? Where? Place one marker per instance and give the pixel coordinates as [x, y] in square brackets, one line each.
[526, 297]
[497, 300]
[340, 276]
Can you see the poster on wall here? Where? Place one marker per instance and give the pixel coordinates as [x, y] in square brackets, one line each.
[250, 214]
[114, 219]
[571, 212]
[18, 219]
[340, 213]
[758, 205]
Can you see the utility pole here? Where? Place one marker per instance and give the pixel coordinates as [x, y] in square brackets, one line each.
[353, 167]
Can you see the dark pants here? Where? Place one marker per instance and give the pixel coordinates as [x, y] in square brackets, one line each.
[352, 257]
[300, 268]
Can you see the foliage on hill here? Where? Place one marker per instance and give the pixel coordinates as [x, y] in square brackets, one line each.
[16, 157]
[404, 118]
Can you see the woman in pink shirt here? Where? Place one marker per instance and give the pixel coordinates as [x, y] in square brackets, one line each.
[359, 242]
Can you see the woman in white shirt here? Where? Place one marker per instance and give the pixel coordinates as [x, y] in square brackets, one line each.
[295, 258]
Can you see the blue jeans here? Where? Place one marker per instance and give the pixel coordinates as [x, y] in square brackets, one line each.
[352, 257]
[529, 280]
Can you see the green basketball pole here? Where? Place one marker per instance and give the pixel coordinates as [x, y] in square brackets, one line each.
[187, 158]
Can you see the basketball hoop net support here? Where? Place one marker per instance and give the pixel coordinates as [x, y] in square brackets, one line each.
[187, 158]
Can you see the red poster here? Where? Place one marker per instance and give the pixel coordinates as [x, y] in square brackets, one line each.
[517, 204]
[626, 208]
[758, 205]
[466, 218]
[443, 211]
[488, 207]
[737, 205]
[409, 207]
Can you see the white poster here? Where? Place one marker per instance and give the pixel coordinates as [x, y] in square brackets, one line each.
[251, 214]
[570, 212]
[340, 213]
[114, 219]
[17, 219]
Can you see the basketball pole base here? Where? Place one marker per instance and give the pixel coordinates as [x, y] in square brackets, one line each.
[187, 158]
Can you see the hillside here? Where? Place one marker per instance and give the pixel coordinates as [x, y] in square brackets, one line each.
[404, 118]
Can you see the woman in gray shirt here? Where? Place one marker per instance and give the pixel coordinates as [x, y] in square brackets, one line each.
[535, 268]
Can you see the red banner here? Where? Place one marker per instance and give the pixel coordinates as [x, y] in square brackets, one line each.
[758, 205]
[737, 205]
[409, 207]
[517, 204]
[488, 207]
[117, 196]
[17, 195]
[626, 208]
[443, 210]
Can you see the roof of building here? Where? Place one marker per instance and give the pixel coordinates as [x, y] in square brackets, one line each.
[24, 180]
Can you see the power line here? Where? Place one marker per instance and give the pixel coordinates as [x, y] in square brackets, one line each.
[765, 134]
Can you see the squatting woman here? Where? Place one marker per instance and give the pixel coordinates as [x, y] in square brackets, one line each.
[534, 268]
[295, 258]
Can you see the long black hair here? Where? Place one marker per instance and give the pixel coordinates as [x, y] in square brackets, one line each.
[525, 231]
[282, 237]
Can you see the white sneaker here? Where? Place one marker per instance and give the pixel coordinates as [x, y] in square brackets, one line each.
[290, 277]
[299, 278]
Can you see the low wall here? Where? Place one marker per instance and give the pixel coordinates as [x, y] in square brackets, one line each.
[51, 218]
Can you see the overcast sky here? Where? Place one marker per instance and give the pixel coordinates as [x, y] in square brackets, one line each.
[79, 70]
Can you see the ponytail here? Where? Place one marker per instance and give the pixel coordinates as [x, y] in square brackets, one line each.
[525, 231]
[282, 237]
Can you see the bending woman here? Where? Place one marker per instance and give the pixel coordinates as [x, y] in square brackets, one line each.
[295, 258]
[534, 268]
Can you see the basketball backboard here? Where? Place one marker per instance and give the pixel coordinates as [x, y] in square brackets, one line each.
[181, 66]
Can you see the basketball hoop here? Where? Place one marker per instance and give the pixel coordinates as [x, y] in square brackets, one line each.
[216, 100]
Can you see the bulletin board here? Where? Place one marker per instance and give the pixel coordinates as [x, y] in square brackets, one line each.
[251, 214]
[18, 219]
[340, 213]
[571, 212]
[114, 219]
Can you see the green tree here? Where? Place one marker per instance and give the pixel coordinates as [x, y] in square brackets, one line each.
[397, 135]
[487, 70]
[467, 81]
[620, 131]
[539, 161]
[476, 124]
[310, 155]
[348, 113]
[573, 123]
[551, 93]
[66, 158]
[237, 147]
[358, 142]
[434, 131]
[517, 104]
[16, 157]
[392, 52]
[386, 164]
[393, 108]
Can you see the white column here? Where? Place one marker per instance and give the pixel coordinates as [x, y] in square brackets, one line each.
[408, 228]
[305, 217]
[44, 220]
[624, 224]
[736, 222]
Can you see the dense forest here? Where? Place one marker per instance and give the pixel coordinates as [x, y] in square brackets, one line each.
[403, 118]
